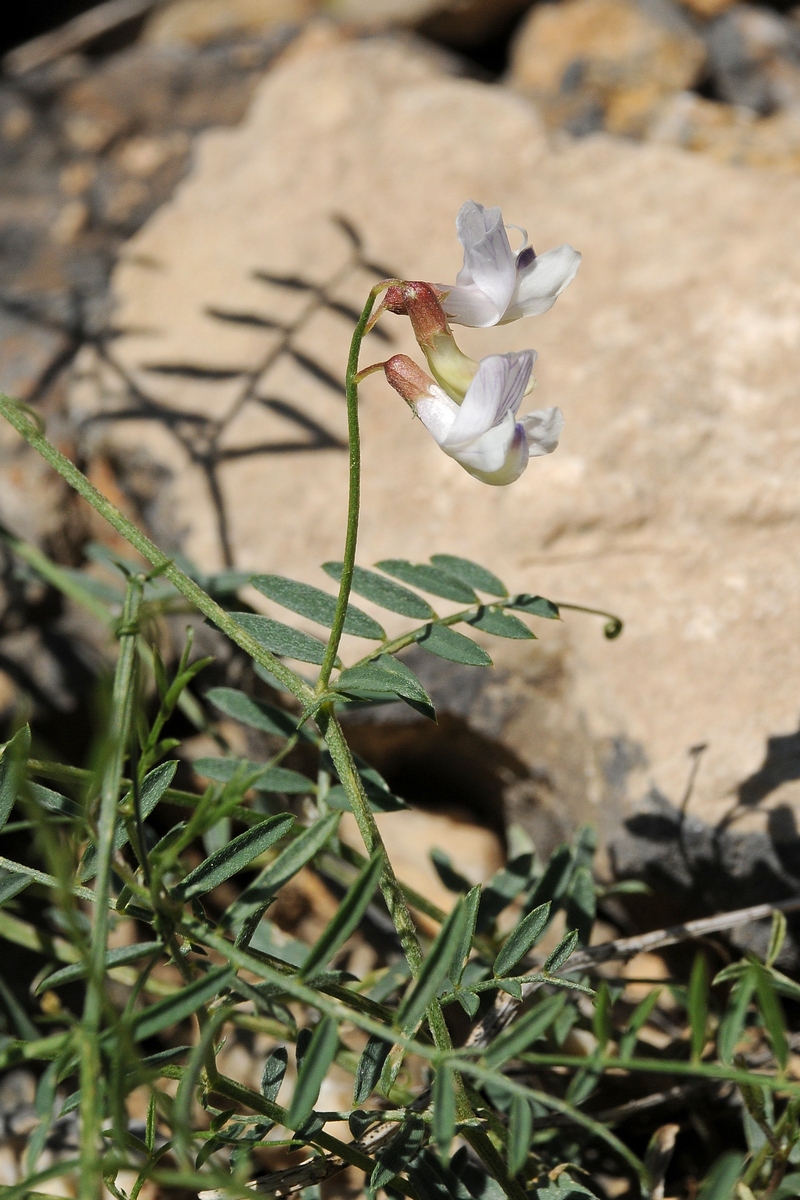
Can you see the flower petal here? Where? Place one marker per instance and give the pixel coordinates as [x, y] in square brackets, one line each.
[542, 430]
[499, 456]
[489, 261]
[437, 412]
[539, 284]
[470, 306]
[496, 391]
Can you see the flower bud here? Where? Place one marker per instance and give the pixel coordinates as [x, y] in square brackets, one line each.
[409, 380]
[452, 369]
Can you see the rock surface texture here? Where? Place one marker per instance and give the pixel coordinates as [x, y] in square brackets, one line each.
[591, 63]
[674, 497]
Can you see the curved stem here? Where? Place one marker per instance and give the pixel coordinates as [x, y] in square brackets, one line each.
[354, 492]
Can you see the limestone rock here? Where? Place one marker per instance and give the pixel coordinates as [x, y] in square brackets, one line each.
[604, 61]
[732, 135]
[199, 22]
[674, 496]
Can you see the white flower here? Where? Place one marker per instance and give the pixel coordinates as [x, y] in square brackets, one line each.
[482, 433]
[495, 285]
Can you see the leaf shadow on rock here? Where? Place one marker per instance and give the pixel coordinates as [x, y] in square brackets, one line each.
[696, 869]
[203, 438]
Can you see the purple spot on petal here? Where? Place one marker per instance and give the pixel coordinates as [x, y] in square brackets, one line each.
[525, 258]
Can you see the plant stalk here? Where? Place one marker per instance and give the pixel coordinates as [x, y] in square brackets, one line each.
[91, 1175]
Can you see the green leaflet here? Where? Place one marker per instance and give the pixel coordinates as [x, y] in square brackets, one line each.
[537, 606]
[561, 953]
[255, 713]
[520, 1129]
[318, 1058]
[315, 604]
[697, 1005]
[446, 643]
[258, 895]
[234, 857]
[386, 676]
[521, 939]
[154, 785]
[282, 639]
[54, 802]
[12, 770]
[470, 573]
[383, 592]
[11, 884]
[501, 624]
[463, 945]
[719, 1183]
[772, 1015]
[172, 1009]
[350, 911]
[429, 579]
[444, 1110]
[267, 779]
[273, 1073]
[522, 1033]
[369, 1068]
[435, 968]
[731, 1027]
[121, 957]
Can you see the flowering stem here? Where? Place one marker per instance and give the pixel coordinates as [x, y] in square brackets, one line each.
[352, 380]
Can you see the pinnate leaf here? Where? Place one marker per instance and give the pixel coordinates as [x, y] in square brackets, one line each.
[234, 857]
[282, 639]
[470, 573]
[446, 643]
[537, 606]
[562, 952]
[383, 592]
[501, 624]
[350, 911]
[521, 939]
[525, 1031]
[12, 770]
[318, 1058]
[429, 579]
[263, 779]
[255, 713]
[315, 604]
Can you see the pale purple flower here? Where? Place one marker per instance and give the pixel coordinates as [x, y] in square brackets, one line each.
[482, 432]
[495, 285]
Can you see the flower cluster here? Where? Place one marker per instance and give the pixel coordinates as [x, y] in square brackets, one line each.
[471, 407]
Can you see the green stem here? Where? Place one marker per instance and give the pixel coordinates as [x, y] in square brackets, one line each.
[16, 416]
[390, 888]
[91, 1178]
[354, 490]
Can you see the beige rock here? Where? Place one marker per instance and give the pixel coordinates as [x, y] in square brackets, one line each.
[613, 54]
[674, 496]
[197, 22]
[732, 135]
[411, 835]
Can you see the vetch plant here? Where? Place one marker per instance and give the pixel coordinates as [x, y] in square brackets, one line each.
[196, 893]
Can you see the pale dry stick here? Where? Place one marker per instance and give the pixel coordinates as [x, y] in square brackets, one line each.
[281, 1184]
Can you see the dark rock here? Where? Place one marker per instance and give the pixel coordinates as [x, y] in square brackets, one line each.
[696, 869]
[754, 58]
